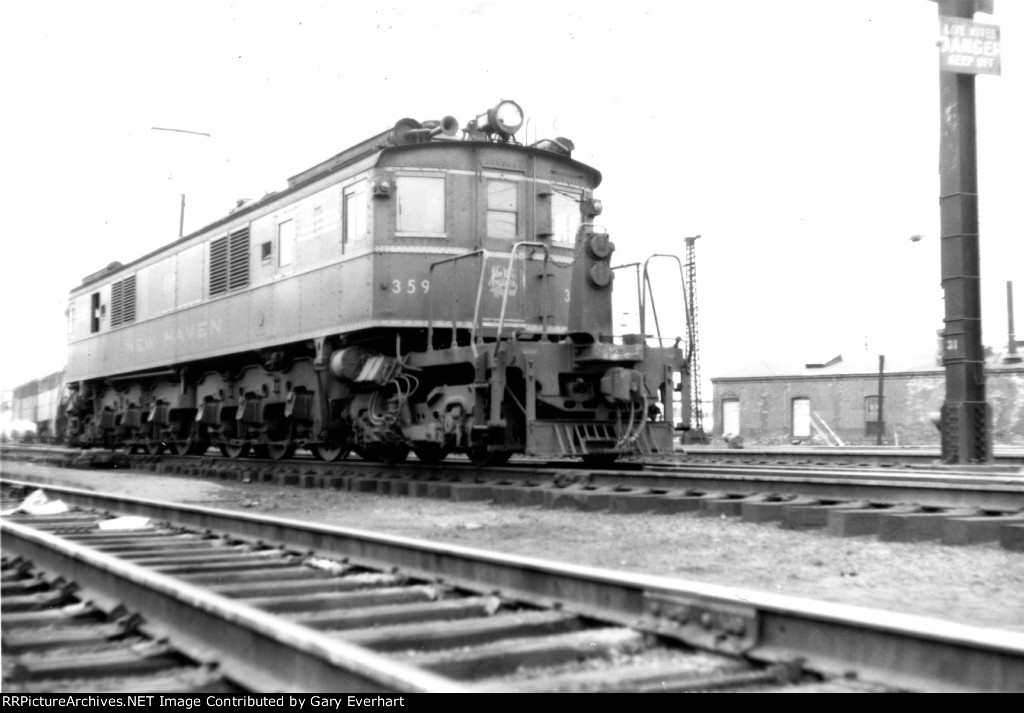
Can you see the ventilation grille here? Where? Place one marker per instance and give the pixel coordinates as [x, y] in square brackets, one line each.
[218, 266]
[229, 262]
[238, 272]
[122, 301]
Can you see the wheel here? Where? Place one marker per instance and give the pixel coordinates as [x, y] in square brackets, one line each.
[154, 446]
[431, 455]
[600, 460]
[234, 449]
[391, 454]
[329, 452]
[280, 450]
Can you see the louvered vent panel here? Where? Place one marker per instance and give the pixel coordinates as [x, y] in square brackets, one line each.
[116, 303]
[238, 274]
[218, 266]
[128, 311]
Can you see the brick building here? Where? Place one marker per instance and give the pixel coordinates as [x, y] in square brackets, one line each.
[837, 401]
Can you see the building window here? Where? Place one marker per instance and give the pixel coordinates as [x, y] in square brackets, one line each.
[730, 417]
[871, 415]
[285, 243]
[420, 205]
[502, 203]
[356, 223]
[801, 418]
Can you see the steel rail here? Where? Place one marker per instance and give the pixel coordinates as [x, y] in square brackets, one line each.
[260, 651]
[904, 651]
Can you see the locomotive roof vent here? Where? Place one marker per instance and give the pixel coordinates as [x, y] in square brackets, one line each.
[240, 204]
[559, 145]
[410, 131]
[112, 267]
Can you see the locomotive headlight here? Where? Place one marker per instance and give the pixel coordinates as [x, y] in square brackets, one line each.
[594, 206]
[380, 187]
[506, 118]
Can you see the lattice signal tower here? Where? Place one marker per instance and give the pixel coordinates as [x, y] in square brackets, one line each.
[696, 404]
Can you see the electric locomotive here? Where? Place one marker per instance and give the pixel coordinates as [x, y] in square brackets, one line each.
[431, 289]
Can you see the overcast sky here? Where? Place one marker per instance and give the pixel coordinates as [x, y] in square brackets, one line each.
[799, 139]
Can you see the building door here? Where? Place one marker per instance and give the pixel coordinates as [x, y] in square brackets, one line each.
[730, 417]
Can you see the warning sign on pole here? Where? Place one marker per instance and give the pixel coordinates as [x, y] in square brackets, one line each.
[968, 47]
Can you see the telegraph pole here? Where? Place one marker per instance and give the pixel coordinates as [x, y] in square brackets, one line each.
[966, 48]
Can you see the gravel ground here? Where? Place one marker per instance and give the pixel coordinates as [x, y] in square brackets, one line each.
[980, 585]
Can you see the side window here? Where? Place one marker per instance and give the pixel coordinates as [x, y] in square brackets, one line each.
[502, 209]
[95, 313]
[565, 217]
[421, 205]
[801, 418]
[730, 417]
[285, 242]
[356, 223]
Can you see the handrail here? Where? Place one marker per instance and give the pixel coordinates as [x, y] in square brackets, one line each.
[477, 317]
[648, 290]
[508, 283]
[430, 301]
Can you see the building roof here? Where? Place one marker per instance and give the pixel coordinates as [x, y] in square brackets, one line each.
[857, 364]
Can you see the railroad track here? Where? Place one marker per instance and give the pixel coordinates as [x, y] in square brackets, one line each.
[954, 508]
[912, 456]
[1005, 459]
[202, 599]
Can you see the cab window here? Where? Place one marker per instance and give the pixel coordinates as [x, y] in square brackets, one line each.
[356, 224]
[502, 209]
[565, 216]
[421, 205]
[286, 242]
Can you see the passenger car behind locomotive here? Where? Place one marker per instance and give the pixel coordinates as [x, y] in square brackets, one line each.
[428, 289]
[39, 403]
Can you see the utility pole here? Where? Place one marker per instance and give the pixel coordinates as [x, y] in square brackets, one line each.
[966, 416]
